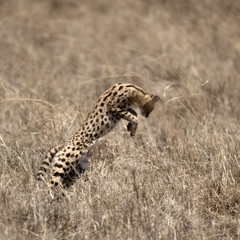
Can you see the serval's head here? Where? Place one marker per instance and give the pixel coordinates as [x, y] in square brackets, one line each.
[148, 104]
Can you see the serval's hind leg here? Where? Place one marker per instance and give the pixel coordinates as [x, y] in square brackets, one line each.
[75, 172]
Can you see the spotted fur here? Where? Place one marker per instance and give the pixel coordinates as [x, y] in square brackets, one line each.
[68, 161]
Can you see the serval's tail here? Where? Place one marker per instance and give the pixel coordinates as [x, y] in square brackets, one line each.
[47, 163]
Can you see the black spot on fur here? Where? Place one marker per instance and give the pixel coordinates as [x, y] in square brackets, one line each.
[68, 155]
[107, 96]
[58, 165]
[43, 169]
[46, 163]
[52, 154]
[102, 104]
[56, 174]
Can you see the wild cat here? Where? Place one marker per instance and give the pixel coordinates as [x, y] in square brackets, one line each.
[69, 160]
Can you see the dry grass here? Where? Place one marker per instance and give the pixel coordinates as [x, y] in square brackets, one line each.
[179, 178]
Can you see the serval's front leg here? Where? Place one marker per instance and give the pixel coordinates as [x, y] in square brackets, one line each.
[130, 115]
[131, 125]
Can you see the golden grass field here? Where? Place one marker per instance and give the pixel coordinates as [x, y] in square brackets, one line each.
[179, 177]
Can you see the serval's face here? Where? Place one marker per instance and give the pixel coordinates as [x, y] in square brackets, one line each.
[148, 104]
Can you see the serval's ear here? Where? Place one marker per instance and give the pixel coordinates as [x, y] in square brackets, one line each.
[155, 98]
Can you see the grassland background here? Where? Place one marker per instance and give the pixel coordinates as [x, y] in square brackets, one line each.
[179, 177]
